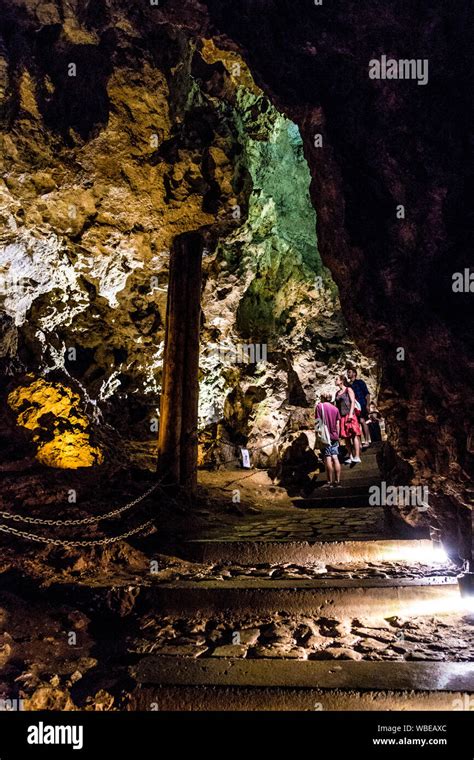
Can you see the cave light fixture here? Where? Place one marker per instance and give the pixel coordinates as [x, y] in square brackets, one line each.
[428, 552]
[466, 586]
[438, 551]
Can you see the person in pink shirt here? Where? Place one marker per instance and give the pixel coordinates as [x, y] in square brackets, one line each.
[330, 415]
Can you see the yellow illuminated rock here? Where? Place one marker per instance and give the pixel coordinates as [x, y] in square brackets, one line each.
[69, 451]
[53, 411]
[234, 64]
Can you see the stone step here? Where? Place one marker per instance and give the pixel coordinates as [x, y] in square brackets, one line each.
[245, 684]
[335, 498]
[364, 469]
[301, 552]
[368, 456]
[368, 597]
[368, 459]
[293, 699]
[352, 479]
[293, 526]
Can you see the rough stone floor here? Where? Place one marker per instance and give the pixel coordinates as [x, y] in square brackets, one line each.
[293, 571]
[301, 637]
[279, 579]
[303, 525]
[448, 637]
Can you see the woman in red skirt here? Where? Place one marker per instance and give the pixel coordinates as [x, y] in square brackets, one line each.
[350, 428]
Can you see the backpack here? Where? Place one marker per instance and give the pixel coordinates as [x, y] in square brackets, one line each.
[322, 430]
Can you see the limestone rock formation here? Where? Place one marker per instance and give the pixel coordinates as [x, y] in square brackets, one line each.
[106, 160]
[109, 154]
[44, 407]
[373, 145]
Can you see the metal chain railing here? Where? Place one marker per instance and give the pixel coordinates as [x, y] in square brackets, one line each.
[70, 543]
[84, 521]
[9, 529]
[14, 517]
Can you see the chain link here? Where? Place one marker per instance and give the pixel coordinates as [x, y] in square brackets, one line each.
[89, 520]
[67, 543]
[15, 517]
[83, 521]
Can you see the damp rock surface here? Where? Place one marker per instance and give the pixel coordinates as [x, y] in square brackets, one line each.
[95, 190]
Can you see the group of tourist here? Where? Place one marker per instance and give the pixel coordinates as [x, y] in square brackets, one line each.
[349, 417]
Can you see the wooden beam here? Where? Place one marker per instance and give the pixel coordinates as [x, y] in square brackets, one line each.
[177, 440]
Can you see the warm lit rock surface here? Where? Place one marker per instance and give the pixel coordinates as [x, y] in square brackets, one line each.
[385, 143]
[107, 156]
[52, 408]
[203, 115]
[293, 571]
[62, 656]
[437, 638]
[102, 169]
[61, 605]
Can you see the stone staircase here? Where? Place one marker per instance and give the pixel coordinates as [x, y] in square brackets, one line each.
[355, 483]
[326, 605]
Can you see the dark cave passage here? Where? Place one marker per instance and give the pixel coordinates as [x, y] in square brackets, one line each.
[203, 231]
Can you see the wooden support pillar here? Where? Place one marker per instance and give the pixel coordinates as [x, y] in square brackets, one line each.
[178, 440]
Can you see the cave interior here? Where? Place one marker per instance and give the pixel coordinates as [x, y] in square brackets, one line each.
[208, 214]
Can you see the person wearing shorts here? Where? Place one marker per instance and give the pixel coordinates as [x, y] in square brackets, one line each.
[329, 413]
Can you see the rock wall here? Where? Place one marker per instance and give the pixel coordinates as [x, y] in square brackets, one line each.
[372, 146]
[114, 142]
